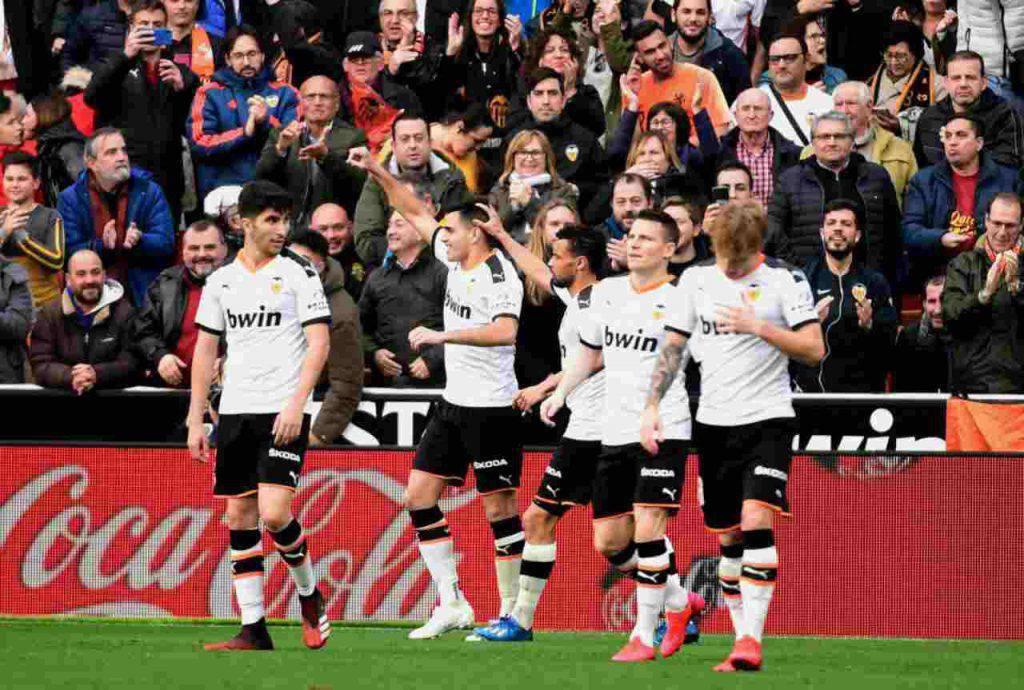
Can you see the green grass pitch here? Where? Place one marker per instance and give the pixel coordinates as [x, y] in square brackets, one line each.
[54, 654]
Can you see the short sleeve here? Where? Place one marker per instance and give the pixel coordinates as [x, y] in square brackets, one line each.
[311, 302]
[506, 298]
[797, 302]
[210, 314]
[757, 14]
[682, 312]
[591, 322]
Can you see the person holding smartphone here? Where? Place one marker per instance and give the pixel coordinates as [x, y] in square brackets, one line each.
[143, 93]
[733, 182]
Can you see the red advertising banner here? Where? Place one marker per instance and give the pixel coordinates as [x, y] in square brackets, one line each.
[879, 546]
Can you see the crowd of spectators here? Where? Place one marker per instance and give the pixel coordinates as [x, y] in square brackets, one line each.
[885, 139]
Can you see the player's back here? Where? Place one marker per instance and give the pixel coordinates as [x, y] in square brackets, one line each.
[629, 327]
[744, 379]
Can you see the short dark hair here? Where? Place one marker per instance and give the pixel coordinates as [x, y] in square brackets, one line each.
[905, 32]
[632, 178]
[311, 240]
[587, 243]
[409, 117]
[237, 32]
[474, 116]
[543, 74]
[1007, 198]
[976, 124]
[693, 206]
[471, 211]
[667, 223]
[205, 225]
[25, 159]
[842, 204]
[260, 195]
[645, 28]
[795, 33]
[678, 116]
[966, 56]
[137, 6]
[734, 164]
[937, 279]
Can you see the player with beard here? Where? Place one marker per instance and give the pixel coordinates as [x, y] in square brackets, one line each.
[626, 325]
[743, 317]
[269, 306]
[475, 423]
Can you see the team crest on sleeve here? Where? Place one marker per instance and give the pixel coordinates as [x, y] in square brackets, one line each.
[572, 152]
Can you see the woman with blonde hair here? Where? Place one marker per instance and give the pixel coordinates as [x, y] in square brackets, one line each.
[530, 179]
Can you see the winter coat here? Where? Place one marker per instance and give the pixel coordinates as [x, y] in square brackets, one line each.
[1004, 130]
[924, 359]
[515, 218]
[16, 317]
[584, 108]
[447, 189]
[697, 160]
[724, 59]
[990, 27]
[930, 202]
[795, 215]
[313, 183]
[59, 341]
[147, 208]
[344, 370]
[61, 159]
[893, 154]
[988, 339]
[394, 301]
[151, 118]
[157, 326]
[97, 33]
[225, 154]
[856, 360]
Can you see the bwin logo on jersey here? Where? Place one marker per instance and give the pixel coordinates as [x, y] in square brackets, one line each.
[488, 464]
[254, 319]
[461, 310]
[630, 341]
[656, 472]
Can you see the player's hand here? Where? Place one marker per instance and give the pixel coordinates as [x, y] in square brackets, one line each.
[386, 363]
[110, 234]
[550, 407]
[952, 240]
[287, 425]
[198, 443]
[170, 369]
[650, 430]
[419, 369]
[823, 306]
[738, 320]
[528, 397]
[492, 226]
[170, 74]
[422, 336]
[865, 314]
[132, 237]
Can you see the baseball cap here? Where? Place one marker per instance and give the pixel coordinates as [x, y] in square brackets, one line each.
[362, 43]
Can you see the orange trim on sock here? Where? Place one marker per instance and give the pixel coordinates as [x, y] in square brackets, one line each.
[242, 555]
[761, 565]
[435, 541]
[508, 558]
[759, 583]
[247, 575]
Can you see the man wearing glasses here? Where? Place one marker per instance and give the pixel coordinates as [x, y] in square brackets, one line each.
[232, 116]
[794, 103]
[835, 171]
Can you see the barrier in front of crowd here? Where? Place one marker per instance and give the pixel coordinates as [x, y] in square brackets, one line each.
[881, 544]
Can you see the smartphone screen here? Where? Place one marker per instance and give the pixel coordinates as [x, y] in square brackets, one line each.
[162, 37]
[720, 194]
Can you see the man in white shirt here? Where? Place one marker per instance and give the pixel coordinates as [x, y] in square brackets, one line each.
[794, 103]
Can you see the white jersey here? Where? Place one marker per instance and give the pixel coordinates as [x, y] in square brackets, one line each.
[480, 376]
[814, 103]
[586, 402]
[629, 327]
[743, 379]
[261, 314]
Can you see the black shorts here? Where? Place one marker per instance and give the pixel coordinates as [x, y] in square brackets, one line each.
[569, 478]
[629, 476]
[247, 456]
[743, 463]
[488, 438]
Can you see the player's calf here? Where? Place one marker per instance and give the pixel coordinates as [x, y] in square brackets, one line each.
[293, 547]
[247, 579]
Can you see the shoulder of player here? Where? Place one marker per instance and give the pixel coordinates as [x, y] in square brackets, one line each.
[293, 261]
[783, 271]
[223, 275]
[500, 270]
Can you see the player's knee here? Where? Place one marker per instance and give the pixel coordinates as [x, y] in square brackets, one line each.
[500, 505]
[756, 516]
[609, 543]
[416, 500]
[242, 514]
[275, 518]
[539, 525]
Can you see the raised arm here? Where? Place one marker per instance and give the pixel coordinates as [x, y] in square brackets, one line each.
[532, 266]
[399, 196]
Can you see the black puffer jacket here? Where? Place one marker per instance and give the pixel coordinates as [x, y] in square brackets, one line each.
[96, 34]
[61, 159]
[157, 325]
[988, 340]
[796, 209]
[1004, 130]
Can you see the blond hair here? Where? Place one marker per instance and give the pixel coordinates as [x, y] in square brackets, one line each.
[737, 233]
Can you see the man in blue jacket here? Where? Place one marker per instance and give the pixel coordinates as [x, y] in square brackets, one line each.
[944, 210]
[233, 115]
[854, 304]
[120, 213]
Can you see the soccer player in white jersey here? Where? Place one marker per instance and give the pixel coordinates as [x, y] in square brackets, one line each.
[577, 258]
[475, 423]
[626, 325]
[269, 306]
[743, 316]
